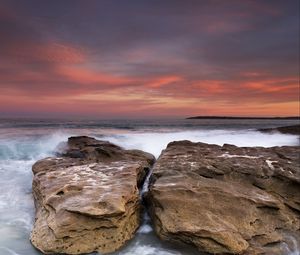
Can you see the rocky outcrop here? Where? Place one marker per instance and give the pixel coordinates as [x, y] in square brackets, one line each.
[227, 199]
[87, 198]
[291, 130]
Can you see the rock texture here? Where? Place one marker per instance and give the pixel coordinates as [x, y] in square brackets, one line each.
[87, 198]
[291, 130]
[227, 199]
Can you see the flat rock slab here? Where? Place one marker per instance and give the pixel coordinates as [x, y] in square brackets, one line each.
[227, 199]
[87, 198]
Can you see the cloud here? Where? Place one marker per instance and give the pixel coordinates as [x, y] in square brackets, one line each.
[168, 57]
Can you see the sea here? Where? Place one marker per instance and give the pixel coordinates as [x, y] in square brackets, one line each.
[24, 141]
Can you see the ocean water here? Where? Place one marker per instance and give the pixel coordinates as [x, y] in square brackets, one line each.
[24, 141]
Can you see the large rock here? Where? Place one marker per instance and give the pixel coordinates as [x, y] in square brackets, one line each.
[87, 199]
[227, 199]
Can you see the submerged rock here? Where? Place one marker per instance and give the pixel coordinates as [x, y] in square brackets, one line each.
[87, 199]
[227, 199]
[291, 130]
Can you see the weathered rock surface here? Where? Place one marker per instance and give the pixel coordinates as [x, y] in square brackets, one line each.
[87, 199]
[291, 130]
[227, 199]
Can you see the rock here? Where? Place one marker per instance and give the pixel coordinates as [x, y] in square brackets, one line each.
[227, 199]
[291, 130]
[87, 198]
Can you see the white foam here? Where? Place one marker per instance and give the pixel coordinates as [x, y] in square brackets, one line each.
[144, 229]
[17, 156]
[29, 148]
[155, 142]
[140, 249]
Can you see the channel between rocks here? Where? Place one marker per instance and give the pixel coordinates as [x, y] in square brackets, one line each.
[146, 224]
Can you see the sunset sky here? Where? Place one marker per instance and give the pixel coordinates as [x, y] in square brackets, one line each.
[149, 58]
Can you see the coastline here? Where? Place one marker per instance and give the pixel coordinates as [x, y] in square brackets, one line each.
[243, 118]
[32, 141]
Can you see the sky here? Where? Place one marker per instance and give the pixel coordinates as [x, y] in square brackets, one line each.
[149, 58]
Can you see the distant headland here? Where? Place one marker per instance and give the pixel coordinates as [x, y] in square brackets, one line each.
[241, 118]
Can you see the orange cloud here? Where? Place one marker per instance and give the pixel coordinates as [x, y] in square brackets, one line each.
[268, 86]
[163, 81]
[139, 105]
[84, 75]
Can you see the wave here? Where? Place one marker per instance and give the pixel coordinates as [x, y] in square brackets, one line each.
[30, 147]
[155, 142]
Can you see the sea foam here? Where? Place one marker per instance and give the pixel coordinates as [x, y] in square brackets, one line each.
[155, 142]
